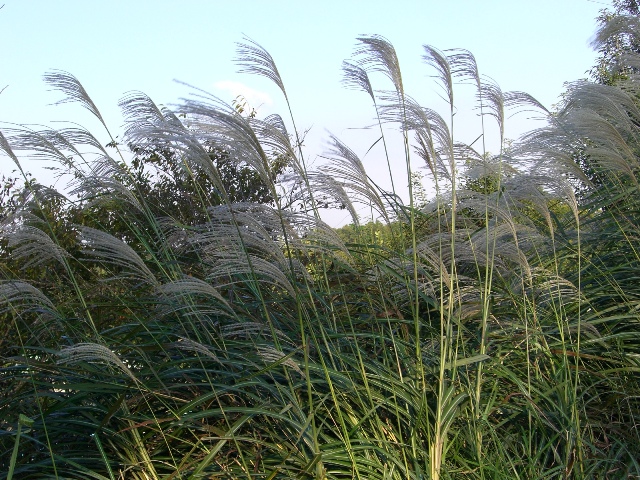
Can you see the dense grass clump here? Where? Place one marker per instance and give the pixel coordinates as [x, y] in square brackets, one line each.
[491, 333]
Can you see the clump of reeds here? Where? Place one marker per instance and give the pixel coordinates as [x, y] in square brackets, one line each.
[489, 334]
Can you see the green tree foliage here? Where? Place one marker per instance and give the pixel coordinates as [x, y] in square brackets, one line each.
[615, 43]
[8, 195]
[175, 190]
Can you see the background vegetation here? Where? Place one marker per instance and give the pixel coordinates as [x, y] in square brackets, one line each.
[187, 314]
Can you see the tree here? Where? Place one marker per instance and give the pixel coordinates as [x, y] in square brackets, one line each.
[614, 41]
[178, 192]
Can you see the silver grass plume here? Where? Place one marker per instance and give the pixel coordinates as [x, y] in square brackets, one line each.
[254, 59]
[181, 295]
[234, 268]
[613, 104]
[345, 167]
[252, 330]
[212, 125]
[260, 230]
[17, 293]
[325, 184]
[432, 260]
[6, 148]
[467, 303]
[431, 131]
[102, 184]
[73, 90]
[140, 111]
[75, 159]
[618, 29]
[524, 102]
[31, 244]
[272, 355]
[553, 291]
[150, 126]
[271, 225]
[273, 134]
[94, 190]
[316, 235]
[378, 54]
[189, 286]
[113, 251]
[616, 25]
[238, 228]
[442, 244]
[93, 353]
[75, 136]
[462, 64]
[356, 77]
[276, 141]
[394, 273]
[40, 145]
[603, 127]
[535, 191]
[512, 243]
[439, 61]
[34, 195]
[189, 345]
[550, 151]
[493, 102]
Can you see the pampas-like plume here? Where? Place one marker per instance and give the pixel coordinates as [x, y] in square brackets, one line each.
[254, 59]
[149, 126]
[431, 132]
[191, 286]
[184, 290]
[238, 228]
[379, 55]
[325, 184]
[93, 352]
[260, 230]
[189, 345]
[439, 61]
[40, 145]
[345, 167]
[554, 291]
[621, 31]
[250, 330]
[73, 90]
[462, 64]
[603, 128]
[521, 101]
[6, 148]
[111, 250]
[96, 189]
[211, 125]
[270, 354]
[314, 234]
[240, 268]
[14, 293]
[32, 244]
[492, 102]
[139, 110]
[354, 76]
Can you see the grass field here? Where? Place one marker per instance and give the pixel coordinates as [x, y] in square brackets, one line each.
[492, 332]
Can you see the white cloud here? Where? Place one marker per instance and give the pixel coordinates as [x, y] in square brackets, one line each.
[256, 99]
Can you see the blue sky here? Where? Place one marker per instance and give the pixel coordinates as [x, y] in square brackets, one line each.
[117, 46]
